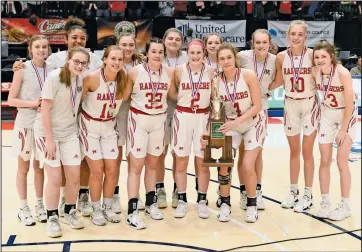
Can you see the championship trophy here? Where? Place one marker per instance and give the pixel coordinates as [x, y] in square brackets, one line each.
[219, 150]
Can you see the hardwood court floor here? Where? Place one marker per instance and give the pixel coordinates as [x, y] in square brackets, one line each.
[191, 233]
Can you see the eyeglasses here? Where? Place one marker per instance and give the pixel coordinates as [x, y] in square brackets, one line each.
[77, 62]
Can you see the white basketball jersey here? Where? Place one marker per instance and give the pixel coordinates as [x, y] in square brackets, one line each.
[305, 86]
[201, 88]
[30, 90]
[265, 71]
[334, 97]
[98, 104]
[127, 67]
[173, 62]
[148, 97]
[210, 63]
[235, 96]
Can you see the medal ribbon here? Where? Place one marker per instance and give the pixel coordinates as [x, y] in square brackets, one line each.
[154, 90]
[40, 81]
[112, 96]
[260, 78]
[295, 73]
[125, 67]
[169, 63]
[195, 85]
[236, 79]
[325, 91]
[73, 93]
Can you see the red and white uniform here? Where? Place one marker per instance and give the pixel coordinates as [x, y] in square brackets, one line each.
[33, 79]
[97, 121]
[236, 99]
[332, 109]
[301, 108]
[123, 113]
[147, 116]
[192, 111]
[172, 62]
[265, 71]
[64, 121]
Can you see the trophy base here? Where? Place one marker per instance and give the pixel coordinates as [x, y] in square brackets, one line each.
[221, 162]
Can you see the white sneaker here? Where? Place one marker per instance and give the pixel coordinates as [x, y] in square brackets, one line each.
[97, 217]
[175, 199]
[53, 227]
[290, 200]
[243, 200]
[61, 207]
[181, 209]
[135, 221]
[154, 212]
[140, 204]
[202, 209]
[251, 214]
[110, 215]
[73, 220]
[225, 213]
[25, 216]
[325, 209]
[340, 213]
[304, 204]
[116, 204]
[84, 205]
[40, 212]
[259, 200]
[161, 198]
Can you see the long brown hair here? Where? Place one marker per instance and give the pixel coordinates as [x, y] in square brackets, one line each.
[35, 38]
[329, 48]
[121, 75]
[168, 31]
[72, 24]
[64, 75]
[136, 57]
[207, 37]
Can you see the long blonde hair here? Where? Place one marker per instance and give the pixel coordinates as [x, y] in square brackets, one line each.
[65, 76]
[35, 38]
[137, 58]
[121, 75]
[234, 51]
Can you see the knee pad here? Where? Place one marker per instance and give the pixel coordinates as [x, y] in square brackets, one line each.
[225, 179]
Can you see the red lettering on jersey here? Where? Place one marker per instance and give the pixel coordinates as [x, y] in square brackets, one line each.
[99, 96]
[138, 149]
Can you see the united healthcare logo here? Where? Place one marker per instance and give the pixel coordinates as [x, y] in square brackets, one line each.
[184, 28]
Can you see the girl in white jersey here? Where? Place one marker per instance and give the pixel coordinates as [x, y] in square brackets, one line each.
[25, 94]
[192, 91]
[56, 137]
[262, 63]
[301, 111]
[338, 124]
[173, 40]
[127, 42]
[240, 92]
[212, 42]
[76, 35]
[102, 92]
[147, 85]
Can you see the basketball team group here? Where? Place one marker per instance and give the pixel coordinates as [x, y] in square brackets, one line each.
[76, 113]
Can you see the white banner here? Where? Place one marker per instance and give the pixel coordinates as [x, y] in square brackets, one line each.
[232, 31]
[317, 30]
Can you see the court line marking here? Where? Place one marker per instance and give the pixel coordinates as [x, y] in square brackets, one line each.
[67, 244]
[278, 202]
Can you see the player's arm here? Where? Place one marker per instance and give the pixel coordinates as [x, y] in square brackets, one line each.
[131, 78]
[13, 99]
[175, 83]
[86, 85]
[278, 81]
[346, 80]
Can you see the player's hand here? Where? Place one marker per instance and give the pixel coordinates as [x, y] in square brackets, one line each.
[50, 150]
[37, 102]
[341, 136]
[18, 65]
[229, 125]
[204, 141]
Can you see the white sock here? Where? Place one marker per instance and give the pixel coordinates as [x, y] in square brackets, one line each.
[62, 192]
[345, 201]
[96, 204]
[84, 187]
[294, 188]
[23, 203]
[308, 191]
[107, 202]
[39, 200]
[325, 197]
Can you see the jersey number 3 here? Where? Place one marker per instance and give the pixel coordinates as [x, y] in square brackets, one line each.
[154, 101]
